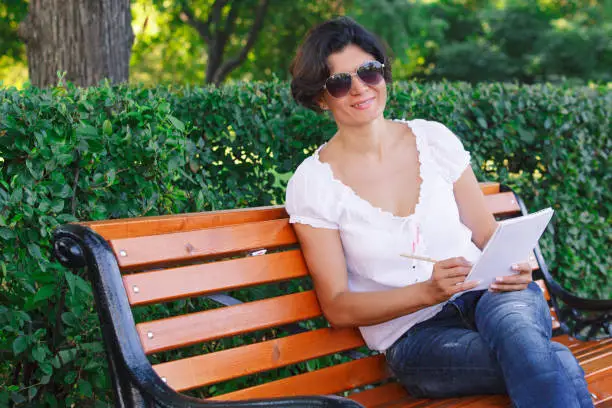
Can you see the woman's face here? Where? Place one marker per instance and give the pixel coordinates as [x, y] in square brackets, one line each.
[363, 103]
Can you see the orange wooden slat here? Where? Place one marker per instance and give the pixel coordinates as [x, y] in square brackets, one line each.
[570, 342]
[195, 280]
[502, 203]
[165, 224]
[489, 187]
[599, 365]
[224, 365]
[157, 249]
[597, 349]
[382, 395]
[185, 330]
[587, 347]
[542, 286]
[579, 348]
[600, 387]
[329, 380]
[596, 358]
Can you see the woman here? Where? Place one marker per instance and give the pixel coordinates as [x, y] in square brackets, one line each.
[380, 188]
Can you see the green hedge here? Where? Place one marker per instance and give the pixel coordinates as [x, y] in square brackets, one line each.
[71, 154]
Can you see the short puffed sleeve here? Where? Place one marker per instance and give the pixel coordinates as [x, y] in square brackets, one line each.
[310, 199]
[448, 152]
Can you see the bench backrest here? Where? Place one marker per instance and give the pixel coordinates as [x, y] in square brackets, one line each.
[175, 267]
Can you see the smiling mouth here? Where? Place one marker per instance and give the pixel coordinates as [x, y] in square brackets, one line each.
[363, 104]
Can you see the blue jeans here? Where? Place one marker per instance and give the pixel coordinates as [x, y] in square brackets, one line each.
[490, 343]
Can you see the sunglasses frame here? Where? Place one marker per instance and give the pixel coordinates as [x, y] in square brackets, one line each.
[355, 74]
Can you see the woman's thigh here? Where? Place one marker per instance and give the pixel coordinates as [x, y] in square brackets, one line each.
[499, 316]
[444, 362]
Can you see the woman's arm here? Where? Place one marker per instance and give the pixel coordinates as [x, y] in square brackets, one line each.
[473, 209]
[477, 217]
[322, 249]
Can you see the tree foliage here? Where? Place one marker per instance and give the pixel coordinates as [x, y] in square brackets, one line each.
[70, 153]
[200, 41]
[207, 41]
[475, 40]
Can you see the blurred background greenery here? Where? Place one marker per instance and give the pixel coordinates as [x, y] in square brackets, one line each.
[534, 108]
[469, 40]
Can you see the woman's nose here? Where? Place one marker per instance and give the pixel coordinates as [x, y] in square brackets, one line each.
[357, 85]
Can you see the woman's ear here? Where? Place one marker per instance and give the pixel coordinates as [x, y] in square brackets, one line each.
[322, 103]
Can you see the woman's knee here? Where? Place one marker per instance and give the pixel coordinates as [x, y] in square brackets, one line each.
[526, 309]
[568, 361]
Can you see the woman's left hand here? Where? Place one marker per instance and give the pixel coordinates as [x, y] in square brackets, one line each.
[513, 282]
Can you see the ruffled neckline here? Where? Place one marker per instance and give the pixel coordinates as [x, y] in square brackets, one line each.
[423, 159]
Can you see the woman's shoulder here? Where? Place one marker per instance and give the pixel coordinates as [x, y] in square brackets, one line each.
[436, 134]
[309, 168]
[311, 197]
[446, 148]
[311, 174]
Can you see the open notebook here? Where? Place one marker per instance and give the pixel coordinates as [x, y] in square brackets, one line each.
[512, 242]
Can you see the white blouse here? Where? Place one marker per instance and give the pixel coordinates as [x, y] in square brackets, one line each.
[373, 239]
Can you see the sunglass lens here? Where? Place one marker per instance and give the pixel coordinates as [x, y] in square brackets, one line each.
[371, 72]
[338, 85]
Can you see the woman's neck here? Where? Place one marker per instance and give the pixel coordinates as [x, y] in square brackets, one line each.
[369, 140]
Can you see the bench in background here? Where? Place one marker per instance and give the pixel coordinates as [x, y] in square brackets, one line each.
[194, 262]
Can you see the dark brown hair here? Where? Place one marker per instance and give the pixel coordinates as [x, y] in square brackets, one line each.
[309, 68]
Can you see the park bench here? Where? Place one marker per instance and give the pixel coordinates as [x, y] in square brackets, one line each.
[158, 261]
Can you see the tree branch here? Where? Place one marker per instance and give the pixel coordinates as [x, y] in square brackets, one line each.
[223, 35]
[202, 28]
[232, 63]
[215, 14]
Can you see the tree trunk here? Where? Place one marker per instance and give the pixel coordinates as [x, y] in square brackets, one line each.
[88, 39]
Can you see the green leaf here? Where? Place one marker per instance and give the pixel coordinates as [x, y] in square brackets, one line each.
[526, 136]
[67, 356]
[83, 285]
[70, 319]
[107, 128]
[39, 353]
[20, 344]
[71, 280]
[34, 250]
[176, 123]
[70, 377]
[87, 131]
[6, 233]
[46, 368]
[57, 206]
[85, 388]
[44, 293]
[482, 122]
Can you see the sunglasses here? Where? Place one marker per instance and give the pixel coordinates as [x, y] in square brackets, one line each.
[370, 73]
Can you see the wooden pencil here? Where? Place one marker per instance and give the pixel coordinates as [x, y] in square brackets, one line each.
[419, 258]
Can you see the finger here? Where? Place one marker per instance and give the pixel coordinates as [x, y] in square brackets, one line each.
[467, 285]
[455, 281]
[458, 271]
[507, 288]
[514, 279]
[523, 267]
[453, 262]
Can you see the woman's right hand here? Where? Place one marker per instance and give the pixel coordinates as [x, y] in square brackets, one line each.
[448, 278]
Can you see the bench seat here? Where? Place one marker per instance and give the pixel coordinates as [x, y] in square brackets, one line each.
[217, 309]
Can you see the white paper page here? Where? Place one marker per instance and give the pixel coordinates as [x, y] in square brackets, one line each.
[512, 242]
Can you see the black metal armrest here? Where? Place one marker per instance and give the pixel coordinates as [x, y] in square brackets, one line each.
[581, 317]
[135, 383]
